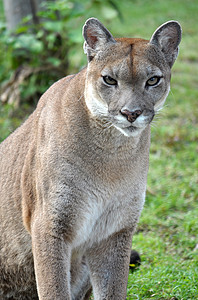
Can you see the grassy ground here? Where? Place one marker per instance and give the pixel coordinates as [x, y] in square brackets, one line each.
[167, 235]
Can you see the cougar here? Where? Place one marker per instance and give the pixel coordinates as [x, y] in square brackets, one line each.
[73, 175]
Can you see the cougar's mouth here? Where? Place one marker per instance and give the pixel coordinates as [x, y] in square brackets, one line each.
[131, 128]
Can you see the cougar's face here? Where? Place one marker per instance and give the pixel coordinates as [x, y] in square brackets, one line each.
[127, 84]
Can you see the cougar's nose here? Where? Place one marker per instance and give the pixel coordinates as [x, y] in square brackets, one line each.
[131, 115]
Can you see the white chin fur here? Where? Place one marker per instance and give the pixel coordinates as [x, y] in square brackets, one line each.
[129, 131]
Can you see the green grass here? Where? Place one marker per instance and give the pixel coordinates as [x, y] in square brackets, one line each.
[167, 234]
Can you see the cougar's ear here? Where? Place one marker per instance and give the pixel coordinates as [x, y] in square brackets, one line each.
[96, 37]
[167, 37]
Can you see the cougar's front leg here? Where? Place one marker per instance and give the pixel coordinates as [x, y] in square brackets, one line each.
[109, 266]
[51, 261]
[80, 280]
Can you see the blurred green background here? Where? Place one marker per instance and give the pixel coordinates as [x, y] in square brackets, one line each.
[35, 56]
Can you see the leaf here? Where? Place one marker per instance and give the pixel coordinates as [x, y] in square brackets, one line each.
[54, 61]
[55, 26]
[22, 29]
[29, 42]
[75, 36]
[2, 25]
[109, 12]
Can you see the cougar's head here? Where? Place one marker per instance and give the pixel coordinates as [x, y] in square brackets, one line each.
[128, 79]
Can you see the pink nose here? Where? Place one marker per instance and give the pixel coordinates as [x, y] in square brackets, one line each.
[131, 115]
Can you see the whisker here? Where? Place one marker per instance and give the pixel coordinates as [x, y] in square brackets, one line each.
[172, 95]
[80, 98]
[110, 125]
[158, 117]
[159, 110]
[154, 124]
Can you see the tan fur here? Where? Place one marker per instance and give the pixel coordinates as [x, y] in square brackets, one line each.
[73, 176]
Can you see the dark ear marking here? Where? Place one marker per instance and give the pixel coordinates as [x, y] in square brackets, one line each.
[167, 37]
[96, 37]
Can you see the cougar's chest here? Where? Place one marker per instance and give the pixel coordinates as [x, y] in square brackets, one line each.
[109, 209]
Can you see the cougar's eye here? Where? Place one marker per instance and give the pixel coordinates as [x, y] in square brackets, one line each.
[109, 80]
[153, 81]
